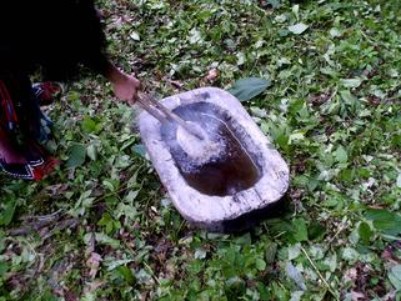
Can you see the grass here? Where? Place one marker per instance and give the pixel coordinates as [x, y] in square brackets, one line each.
[103, 228]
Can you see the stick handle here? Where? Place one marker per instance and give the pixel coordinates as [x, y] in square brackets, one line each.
[156, 109]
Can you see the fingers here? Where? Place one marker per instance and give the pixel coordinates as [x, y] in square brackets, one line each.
[131, 101]
[137, 86]
[127, 89]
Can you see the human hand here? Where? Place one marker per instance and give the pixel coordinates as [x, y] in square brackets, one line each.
[126, 88]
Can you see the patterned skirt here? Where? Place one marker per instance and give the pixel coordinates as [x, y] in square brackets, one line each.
[24, 128]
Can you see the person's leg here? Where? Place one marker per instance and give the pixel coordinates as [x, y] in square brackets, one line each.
[13, 161]
[21, 127]
[9, 152]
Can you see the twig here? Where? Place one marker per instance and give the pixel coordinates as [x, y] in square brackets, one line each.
[118, 192]
[31, 227]
[69, 223]
[341, 228]
[35, 226]
[50, 216]
[151, 272]
[92, 243]
[320, 275]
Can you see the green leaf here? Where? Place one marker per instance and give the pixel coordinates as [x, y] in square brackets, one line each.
[347, 97]
[247, 88]
[235, 286]
[295, 275]
[127, 274]
[385, 221]
[300, 230]
[365, 232]
[270, 253]
[132, 196]
[316, 231]
[263, 292]
[113, 264]
[341, 155]
[48, 296]
[140, 150]
[102, 238]
[88, 297]
[195, 36]
[296, 296]
[331, 262]
[351, 83]
[92, 152]
[260, 264]
[399, 181]
[89, 125]
[279, 292]
[396, 141]
[395, 277]
[7, 214]
[3, 269]
[108, 222]
[77, 155]
[294, 251]
[350, 254]
[244, 240]
[109, 185]
[298, 28]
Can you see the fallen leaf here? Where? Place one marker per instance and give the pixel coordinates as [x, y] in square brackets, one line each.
[351, 82]
[298, 28]
[93, 264]
[294, 274]
[93, 286]
[351, 275]
[135, 36]
[356, 296]
[195, 36]
[212, 75]
[176, 84]
[57, 189]
[395, 277]
[77, 155]
[247, 88]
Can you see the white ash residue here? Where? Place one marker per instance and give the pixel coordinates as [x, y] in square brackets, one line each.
[199, 150]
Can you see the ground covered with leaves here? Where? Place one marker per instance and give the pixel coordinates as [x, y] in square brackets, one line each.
[103, 228]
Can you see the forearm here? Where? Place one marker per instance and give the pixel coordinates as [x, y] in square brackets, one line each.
[112, 73]
[125, 86]
[100, 64]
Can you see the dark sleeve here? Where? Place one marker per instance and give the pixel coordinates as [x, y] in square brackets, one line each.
[92, 39]
[97, 63]
[58, 36]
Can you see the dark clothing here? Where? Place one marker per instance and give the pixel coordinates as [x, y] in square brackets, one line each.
[55, 35]
[56, 38]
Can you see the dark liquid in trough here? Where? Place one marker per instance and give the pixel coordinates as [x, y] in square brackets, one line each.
[226, 174]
